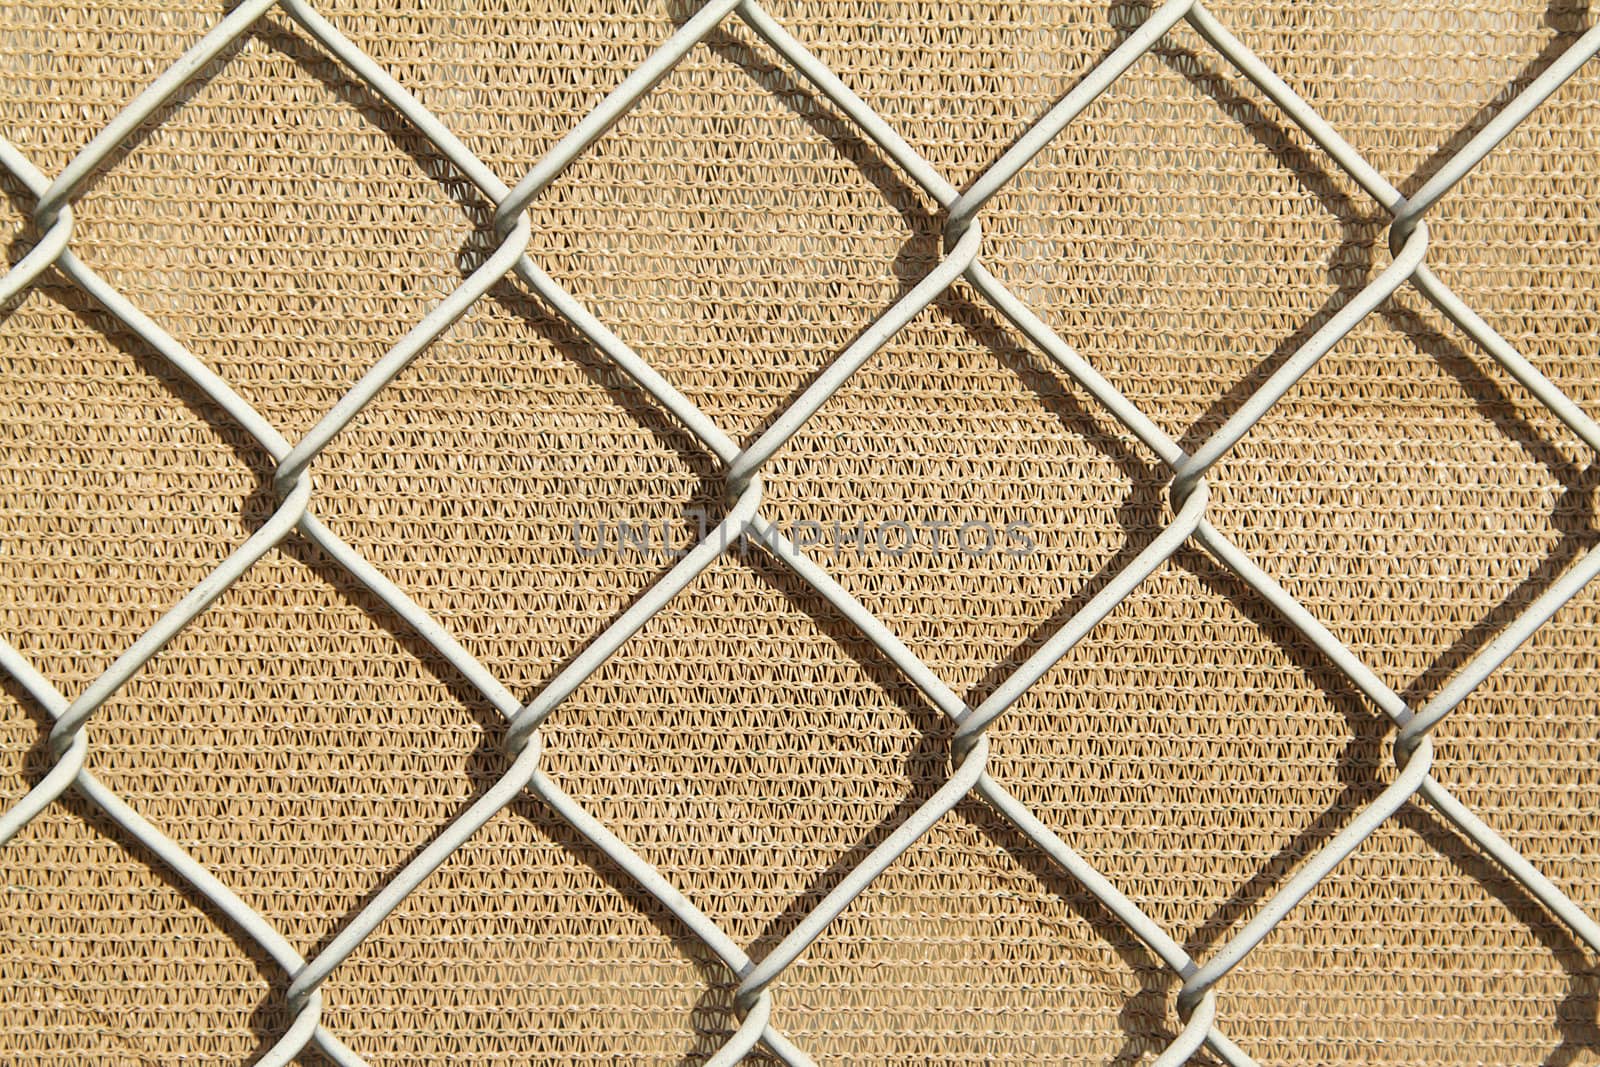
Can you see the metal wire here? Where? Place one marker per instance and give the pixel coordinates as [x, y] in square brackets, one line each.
[1196, 1006]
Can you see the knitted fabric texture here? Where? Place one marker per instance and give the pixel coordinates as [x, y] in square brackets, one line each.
[737, 230]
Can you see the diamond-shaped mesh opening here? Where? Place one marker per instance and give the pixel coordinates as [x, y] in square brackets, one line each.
[529, 947]
[736, 230]
[1193, 749]
[563, 493]
[318, 756]
[1181, 234]
[1418, 525]
[121, 486]
[971, 927]
[964, 493]
[131, 928]
[754, 795]
[284, 224]
[1504, 983]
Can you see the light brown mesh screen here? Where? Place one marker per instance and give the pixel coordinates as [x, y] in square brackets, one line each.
[303, 743]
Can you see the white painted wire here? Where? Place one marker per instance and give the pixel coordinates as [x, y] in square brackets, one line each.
[1197, 1005]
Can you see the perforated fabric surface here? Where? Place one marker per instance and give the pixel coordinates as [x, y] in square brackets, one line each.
[302, 742]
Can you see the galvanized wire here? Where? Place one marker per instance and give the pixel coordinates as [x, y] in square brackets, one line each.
[963, 244]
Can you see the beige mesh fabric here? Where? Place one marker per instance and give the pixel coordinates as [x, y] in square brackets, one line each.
[299, 740]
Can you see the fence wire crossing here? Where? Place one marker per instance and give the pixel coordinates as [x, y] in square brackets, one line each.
[753, 1002]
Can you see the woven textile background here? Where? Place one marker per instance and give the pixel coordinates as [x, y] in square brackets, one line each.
[303, 742]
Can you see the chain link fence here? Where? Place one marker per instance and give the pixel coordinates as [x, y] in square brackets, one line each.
[1199, 1024]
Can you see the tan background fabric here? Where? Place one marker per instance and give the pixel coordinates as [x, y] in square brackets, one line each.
[287, 226]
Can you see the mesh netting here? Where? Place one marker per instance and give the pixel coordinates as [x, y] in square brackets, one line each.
[900, 534]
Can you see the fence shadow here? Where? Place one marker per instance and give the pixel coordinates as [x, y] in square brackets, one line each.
[1349, 268]
[925, 763]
